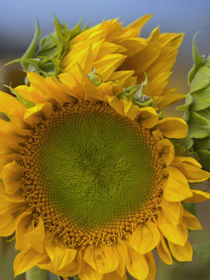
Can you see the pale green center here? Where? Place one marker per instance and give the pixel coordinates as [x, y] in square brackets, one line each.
[95, 168]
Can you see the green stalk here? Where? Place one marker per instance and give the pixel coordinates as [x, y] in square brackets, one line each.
[36, 273]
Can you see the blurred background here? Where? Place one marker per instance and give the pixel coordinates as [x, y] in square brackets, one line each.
[17, 24]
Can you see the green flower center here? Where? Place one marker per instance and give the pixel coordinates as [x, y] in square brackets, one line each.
[95, 167]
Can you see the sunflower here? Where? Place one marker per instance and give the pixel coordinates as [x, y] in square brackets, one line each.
[118, 53]
[90, 183]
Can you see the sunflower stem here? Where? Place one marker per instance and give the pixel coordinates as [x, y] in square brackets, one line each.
[36, 273]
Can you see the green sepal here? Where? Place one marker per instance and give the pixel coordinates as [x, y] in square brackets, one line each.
[136, 95]
[95, 78]
[26, 103]
[45, 56]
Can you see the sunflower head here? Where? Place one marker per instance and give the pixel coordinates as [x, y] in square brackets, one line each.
[91, 182]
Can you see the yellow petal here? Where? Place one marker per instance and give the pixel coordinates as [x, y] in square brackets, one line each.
[36, 236]
[70, 267]
[37, 113]
[8, 223]
[182, 253]
[11, 175]
[121, 252]
[198, 196]
[191, 169]
[177, 234]
[172, 211]
[42, 89]
[145, 238]
[102, 258]
[108, 64]
[167, 151]
[61, 257]
[123, 107]
[114, 276]
[173, 127]
[27, 259]
[176, 187]
[168, 98]
[138, 24]
[31, 93]
[148, 117]
[190, 221]
[23, 226]
[122, 77]
[164, 252]
[152, 266]
[137, 264]
[88, 273]
[9, 212]
[11, 107]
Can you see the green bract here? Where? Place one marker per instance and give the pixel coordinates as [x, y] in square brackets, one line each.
[44, 56]
[197, 107]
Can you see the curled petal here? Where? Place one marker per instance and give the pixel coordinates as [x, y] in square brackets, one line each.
[173, 127]
[11, 175]
[191, 169]
[167, 151]
[198, 196]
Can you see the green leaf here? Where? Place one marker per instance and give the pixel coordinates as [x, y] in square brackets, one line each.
[205, 159]
[199, 127]
[186, 106]
[26, 103]
[201, 99]
[198, 60]
[182, 146]
[201, 78]
[136, 95]
[202, 144]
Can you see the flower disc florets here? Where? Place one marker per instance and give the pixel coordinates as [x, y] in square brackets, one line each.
[93, 174]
